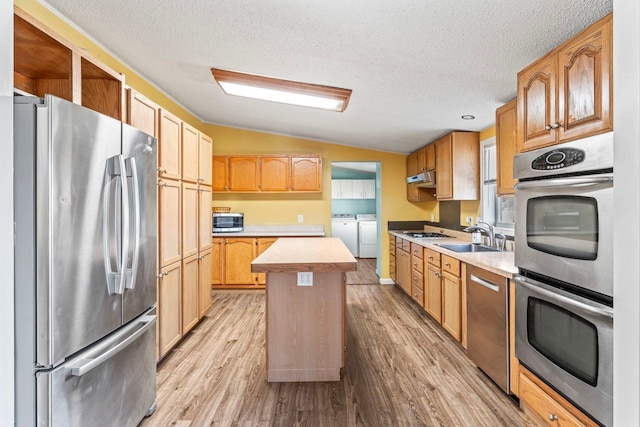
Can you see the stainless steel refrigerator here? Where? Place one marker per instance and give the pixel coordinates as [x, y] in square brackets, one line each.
[85, 266]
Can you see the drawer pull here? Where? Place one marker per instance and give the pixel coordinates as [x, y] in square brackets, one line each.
[447, 264]
[553, 417]
[430, 258]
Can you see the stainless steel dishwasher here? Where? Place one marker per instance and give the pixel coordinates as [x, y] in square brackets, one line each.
[488, 324]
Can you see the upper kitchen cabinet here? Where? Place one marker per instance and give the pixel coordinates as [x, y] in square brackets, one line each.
[170, 142]
[142, 113]
[274, 174]
[568, 93]
[458, 166]
[46, 63]
[306, 174]
[204, 159]
[220, 173]
[506, 147]
[243, 173]
[426, 158]
[190, 146]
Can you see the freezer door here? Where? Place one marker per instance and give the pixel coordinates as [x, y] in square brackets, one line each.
[112, 383]
[140, 154]
[74, 307]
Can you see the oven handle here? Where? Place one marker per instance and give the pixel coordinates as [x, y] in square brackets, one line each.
[565, 182]
[603, 312]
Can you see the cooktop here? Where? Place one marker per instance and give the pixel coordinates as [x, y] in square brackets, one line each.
[425, 235]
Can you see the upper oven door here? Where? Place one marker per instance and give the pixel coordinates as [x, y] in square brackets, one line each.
[564, 229]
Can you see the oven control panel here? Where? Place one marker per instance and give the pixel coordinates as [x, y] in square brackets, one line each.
[558, 159]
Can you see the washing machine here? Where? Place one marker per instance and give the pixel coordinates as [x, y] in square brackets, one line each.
[367, 235]
[345, 226]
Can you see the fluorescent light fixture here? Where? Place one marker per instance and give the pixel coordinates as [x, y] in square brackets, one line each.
[283, 91]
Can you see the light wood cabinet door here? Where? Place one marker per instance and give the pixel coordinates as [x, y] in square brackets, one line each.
[506, 147]
[189, 219]
[274, 173]
[263, 244]
[537, 104]
[239, 252]
[412, 164]
[217, 261]
[243, 173]
[204, 218]
[392, 257]
[584, 83]
[306, 173]
[204, 159]
[169, 307]
[220, 173]
[417, 287]
[205, 300]
[405, 271]
[190, 147]
[430, 157]
[444, 167]
[190, 291]
[433, 293]
[170, 142]
[458, 166]
[169, 221]
[142, 113]
[451, 304]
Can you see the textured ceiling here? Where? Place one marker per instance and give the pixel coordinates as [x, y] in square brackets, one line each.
[415, 66]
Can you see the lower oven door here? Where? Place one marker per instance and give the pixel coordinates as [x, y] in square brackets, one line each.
[567, 341]
[564, 228]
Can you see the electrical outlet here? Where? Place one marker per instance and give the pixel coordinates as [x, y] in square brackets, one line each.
[305, 278]
[300, 218]
[469, 220]
[432, 217]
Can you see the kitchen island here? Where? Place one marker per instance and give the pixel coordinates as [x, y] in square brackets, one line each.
[305, 308]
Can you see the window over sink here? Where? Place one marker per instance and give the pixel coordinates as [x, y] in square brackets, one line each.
[498, 211]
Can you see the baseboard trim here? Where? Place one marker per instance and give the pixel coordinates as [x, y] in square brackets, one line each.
[387, 281]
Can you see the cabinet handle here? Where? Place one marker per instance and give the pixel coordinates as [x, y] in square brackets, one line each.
[553, 417]
[556, 125]
[447, 265]
[161, 183]
[430, 258]
[162, 171]
[547, 127]
[415, 265]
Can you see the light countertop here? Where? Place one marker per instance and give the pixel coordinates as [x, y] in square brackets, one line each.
[305, 254]
[501, 263]
[293, 230]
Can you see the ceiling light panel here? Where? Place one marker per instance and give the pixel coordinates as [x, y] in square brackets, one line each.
[282, 91]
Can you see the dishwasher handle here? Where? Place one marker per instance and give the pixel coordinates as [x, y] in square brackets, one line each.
[484, 283]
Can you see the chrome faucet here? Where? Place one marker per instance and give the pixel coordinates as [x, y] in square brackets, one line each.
[486, 229]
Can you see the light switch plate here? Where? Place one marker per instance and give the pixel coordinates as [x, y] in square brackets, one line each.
[305, 278]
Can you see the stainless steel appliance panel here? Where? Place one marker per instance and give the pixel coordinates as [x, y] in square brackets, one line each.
[140, 153]
[74, 306]
[574, 249]
[88, 390]
[488, 324]
[571, 349]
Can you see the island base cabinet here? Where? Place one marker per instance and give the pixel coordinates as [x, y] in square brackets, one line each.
[306, 341]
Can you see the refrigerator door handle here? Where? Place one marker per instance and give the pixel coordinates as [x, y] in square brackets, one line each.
[83, 365]
[115, 279]
[132, 171]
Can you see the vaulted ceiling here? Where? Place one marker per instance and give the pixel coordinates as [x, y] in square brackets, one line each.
[415, 66]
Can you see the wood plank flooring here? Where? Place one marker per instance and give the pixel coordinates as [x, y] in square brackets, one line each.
[366, 273]
[402, 369]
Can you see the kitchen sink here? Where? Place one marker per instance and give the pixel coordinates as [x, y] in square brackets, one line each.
[467, 247]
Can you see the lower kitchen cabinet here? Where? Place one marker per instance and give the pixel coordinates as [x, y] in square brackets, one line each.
[451, 307]
[403, 260]
[539, 400]
[433, 292]
[239, 252]
[190, 309]
[417, 276]
[205, 300]
[169, 307]
[392, 257]
[231, 259]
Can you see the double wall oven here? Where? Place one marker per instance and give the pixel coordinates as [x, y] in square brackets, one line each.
[564, 253]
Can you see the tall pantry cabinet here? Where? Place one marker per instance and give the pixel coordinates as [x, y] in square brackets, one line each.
[184, 219]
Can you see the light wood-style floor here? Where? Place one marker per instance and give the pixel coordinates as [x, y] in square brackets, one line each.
[402, 369]
[365, 274]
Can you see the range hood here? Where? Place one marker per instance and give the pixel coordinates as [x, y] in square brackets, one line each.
[423, 179]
